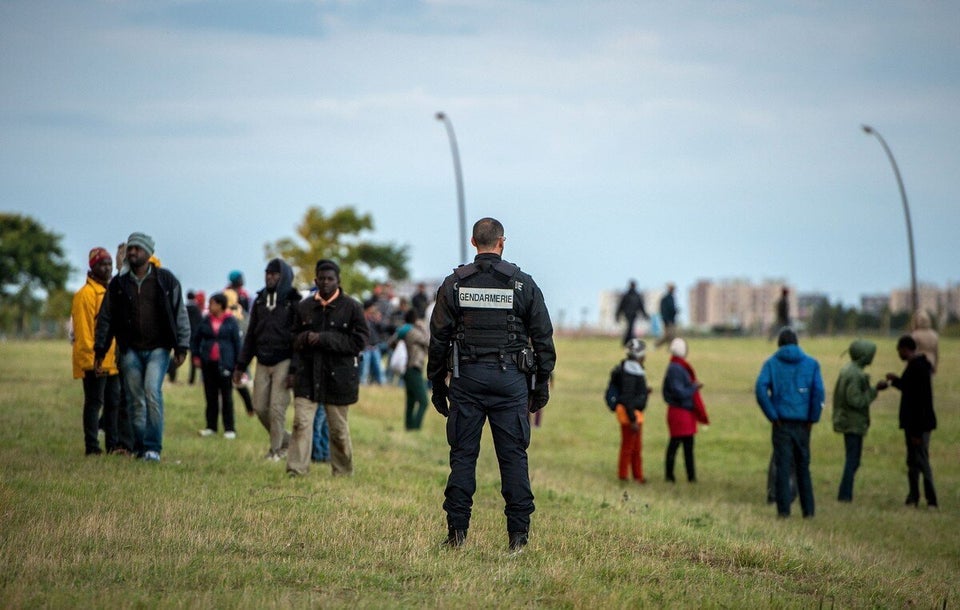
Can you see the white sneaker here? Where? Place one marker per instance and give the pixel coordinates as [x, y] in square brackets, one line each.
[230, 435]
[151, 456]
[207, 432]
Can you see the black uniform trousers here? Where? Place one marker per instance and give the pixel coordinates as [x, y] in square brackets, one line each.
[484, 391]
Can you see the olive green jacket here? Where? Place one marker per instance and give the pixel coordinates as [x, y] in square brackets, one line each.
[853, 393]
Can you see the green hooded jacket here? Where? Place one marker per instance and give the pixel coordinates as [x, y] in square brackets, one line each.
[853, 393]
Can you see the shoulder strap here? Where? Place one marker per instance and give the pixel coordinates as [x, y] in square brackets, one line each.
[464, 271]
[504, 271]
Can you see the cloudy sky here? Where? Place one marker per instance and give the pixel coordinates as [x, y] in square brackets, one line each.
[662, 141]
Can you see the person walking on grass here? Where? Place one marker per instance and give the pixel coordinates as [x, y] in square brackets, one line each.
[144, 310]
[917, 418]
[630, 305]
[416, 339]
[668, 314]
[215, 348]
[851, 409]
[195, 314]
[268, 340]
[101, 392]
[782, 312]
[685, 408]
[329, 333]
[790, 392]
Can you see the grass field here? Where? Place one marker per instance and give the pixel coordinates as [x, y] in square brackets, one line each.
[215, 525]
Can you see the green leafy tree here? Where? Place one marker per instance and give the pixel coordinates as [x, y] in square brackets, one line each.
[58, 305]
[339, 237]
[32, 265]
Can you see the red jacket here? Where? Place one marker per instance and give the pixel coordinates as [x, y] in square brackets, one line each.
[682, 420]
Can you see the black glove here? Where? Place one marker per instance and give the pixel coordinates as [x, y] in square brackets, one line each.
[538, 398]
[439, 397]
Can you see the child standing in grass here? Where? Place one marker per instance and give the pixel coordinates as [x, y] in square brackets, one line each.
[631, 379]
[216, 347]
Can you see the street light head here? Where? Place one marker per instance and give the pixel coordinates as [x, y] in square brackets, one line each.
[867, 129]
[440, 116]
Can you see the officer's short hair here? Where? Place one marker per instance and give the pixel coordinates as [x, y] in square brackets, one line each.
[487, 231]
[325, 264]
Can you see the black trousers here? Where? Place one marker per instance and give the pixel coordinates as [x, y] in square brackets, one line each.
[687, 442]
[101, 393]
[218, 391]
[918, 462]
[791, 451]
[485, 391]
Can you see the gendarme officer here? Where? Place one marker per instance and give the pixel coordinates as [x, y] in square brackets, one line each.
[491, 332]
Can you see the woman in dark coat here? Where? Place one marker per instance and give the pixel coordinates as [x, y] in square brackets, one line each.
[681, 392]
[215, 348]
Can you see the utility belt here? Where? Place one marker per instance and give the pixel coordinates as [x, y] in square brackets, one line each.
[492, 357]
[525, 359]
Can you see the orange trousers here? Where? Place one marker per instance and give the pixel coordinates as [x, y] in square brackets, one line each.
[631, 447]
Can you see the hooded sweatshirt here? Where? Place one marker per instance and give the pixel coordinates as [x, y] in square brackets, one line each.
[268, 335]
[853, 393]
[927, 339]
[790, 387]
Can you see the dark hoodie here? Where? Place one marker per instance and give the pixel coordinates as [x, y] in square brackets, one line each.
[271, 315]
[916, 396]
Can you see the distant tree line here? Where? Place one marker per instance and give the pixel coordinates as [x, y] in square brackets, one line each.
[833, 319]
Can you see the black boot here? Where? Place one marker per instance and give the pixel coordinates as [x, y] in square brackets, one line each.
[518, 540]
[455, 538]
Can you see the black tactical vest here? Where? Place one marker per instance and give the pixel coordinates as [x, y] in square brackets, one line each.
[488, 321]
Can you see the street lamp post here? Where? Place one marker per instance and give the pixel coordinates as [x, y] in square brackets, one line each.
[456, 169]
[906, 212]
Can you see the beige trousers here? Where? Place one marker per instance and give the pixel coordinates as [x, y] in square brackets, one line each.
[271, 397]
[301, 442]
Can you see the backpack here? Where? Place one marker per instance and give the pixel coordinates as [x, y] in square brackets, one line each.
[612, 394]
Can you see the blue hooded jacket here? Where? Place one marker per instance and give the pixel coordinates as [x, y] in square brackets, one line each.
[790, 386]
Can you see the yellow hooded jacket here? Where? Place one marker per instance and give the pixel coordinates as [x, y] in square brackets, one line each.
[86, 304]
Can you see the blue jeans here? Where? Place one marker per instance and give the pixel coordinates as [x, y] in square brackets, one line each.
[371, 364]
[853, 443]
[143, 372]
[791, 452]
[321, 436]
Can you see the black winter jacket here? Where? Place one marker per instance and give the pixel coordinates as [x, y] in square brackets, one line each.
[328, 372]
[632, 381]
[916, 396]
[268, 333]
[115, 319]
